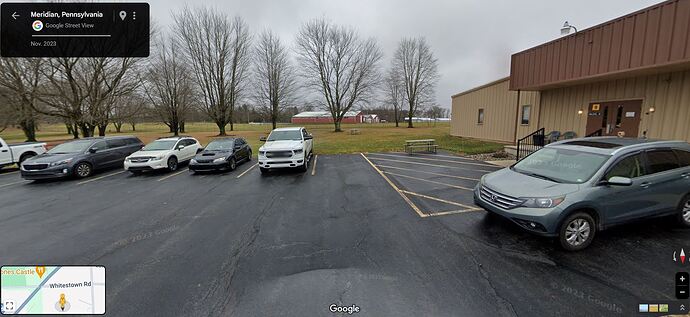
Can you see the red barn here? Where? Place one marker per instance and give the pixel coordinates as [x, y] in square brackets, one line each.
[325, 117]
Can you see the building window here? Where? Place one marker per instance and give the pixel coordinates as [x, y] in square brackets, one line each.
[480, 116]
[525, 114]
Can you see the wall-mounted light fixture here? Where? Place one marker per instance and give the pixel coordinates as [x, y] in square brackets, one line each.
[580, 112]
[651, 110]
[566, 28]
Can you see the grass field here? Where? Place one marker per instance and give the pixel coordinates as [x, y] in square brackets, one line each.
[383, 137]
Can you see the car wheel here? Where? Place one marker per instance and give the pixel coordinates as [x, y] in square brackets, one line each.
[249, 157]
[684, 209]
[26, 156]
[577, 231]
[232, 164]
[172, 164]
[83, 170]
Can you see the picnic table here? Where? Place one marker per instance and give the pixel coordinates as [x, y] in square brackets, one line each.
[354, 131]
[427, 145]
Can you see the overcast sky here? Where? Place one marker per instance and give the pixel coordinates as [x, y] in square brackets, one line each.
[472, 39]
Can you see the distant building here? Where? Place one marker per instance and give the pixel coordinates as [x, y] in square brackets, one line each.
[370, 118]
[325, 117]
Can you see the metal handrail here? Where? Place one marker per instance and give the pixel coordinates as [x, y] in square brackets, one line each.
[530, 144]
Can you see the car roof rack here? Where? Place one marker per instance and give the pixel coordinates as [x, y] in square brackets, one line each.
[174, 137]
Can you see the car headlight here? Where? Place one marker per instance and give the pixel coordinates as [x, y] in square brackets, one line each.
[298, 152]
[63, 162]
[219, 160]
[543, 202]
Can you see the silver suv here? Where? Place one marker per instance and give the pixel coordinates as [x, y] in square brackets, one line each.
[572, 189]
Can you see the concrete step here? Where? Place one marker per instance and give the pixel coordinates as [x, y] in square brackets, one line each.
[511, 149]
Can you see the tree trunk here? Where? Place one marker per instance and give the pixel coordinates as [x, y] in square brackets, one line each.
[232, 127]
[409, 120]
[221, 128]
[118, 126]
[29, 128]
[134, 126]
[75, 131]
[69, 128]
[102, 129]
[85, 130]
[182, 130]
[337, 125]
[395, 111]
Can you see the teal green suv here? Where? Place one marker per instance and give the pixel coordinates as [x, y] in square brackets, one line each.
[572, 189]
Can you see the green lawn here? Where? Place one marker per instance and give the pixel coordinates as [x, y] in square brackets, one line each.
[383, 137]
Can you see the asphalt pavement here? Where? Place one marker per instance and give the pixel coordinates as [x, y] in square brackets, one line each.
[291, 243]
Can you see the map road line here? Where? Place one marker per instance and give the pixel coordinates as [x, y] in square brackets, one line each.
[57, 268]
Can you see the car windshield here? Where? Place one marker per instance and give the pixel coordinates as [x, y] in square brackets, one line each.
[289, 135]
[561, 165]
[160, 145]
[220, 145]
[71, 147]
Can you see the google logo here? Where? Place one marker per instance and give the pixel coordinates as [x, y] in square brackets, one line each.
[37, 25]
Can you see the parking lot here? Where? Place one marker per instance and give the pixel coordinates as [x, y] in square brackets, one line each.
[391, 233]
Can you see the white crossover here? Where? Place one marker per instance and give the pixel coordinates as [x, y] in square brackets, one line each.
[164, 153]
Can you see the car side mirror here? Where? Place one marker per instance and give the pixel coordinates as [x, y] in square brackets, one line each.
[262, 139]
[93, 150]
[199, 150]
[619, 181]
[308, 137]
[179, 148]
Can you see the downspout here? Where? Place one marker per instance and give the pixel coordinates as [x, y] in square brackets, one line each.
[517, 116]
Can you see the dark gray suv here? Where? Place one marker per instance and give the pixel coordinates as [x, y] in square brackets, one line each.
[80, 158]
[571, 189]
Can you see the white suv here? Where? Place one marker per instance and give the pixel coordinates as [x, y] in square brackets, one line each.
[163, 153]
[286, 147]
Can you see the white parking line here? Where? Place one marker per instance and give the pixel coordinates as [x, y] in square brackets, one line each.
[431, 173]
[453, 212]
[172, 175]
[15, 183]
[400, 192]
[436, 199]
[100, 177]
[437, 160]
[430, 181]
[436, 155]
[313, 168]
[435, 165]
[247, 170]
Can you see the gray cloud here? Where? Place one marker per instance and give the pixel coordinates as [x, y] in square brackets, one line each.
[472, 39]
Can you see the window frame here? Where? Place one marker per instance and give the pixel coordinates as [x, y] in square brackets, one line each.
[522, 114]
[643, 163]
[678, 155]
[481, 116]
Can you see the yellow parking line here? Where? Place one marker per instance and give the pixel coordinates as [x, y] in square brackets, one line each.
[400, 192]
[431, 173]
[313, 168]
[437, 160]
[453, 212]
[100, 177]
[172, 175]
[247, 170]
[9, 173]
[426, 164]
[15, 183]
[430, 181]
[436, 199]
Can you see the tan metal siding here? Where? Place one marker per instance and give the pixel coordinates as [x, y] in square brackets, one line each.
[655, 36]
[669, 93]
[499, 113]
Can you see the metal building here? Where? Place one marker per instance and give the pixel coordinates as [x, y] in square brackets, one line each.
[629, 75]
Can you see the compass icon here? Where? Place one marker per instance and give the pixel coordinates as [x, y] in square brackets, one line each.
[680, 257]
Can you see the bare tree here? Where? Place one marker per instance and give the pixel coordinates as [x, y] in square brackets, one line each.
[275, 81]
[168, 86]
[217, 48]
[395, 94]
[339, 65]
[416, 67]
[19, 82]
[129, 108]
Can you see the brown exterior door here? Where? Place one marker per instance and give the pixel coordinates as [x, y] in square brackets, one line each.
[615, 116]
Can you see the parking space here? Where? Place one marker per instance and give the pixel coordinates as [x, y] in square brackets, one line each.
[392, 233]
[433, 184]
